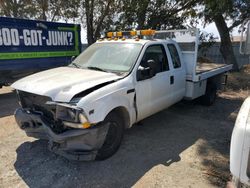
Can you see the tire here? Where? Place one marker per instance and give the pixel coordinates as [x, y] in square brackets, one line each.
[113, 138]
[209, 98]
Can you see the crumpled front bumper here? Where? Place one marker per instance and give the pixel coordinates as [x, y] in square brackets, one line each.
[74, 144]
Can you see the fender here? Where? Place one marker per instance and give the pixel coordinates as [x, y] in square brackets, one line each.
[97, 108]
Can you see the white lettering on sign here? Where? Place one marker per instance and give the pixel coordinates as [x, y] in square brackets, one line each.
[32, 37]
[6, 36]
[59, 38]
[39, 35]
[9, 37]
[26, 37]
[14, 37]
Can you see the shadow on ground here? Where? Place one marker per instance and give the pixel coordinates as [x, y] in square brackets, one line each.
[8, 104]
[160, 140]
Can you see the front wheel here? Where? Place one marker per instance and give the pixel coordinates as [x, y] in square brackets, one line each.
[113, 137]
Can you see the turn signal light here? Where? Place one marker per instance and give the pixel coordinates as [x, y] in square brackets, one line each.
[86, 125]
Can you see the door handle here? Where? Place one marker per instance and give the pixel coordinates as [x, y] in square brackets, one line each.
[171, 80]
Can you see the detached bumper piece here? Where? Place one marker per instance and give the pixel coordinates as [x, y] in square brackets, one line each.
[73, 144]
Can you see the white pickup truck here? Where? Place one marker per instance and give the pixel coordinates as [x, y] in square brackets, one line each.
[84, 108]
[240, 141]
[240, 148]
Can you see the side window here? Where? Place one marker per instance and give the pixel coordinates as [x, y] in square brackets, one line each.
[158, 54]
[174, 55]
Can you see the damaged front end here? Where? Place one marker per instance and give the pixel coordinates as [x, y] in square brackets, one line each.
[65, 126]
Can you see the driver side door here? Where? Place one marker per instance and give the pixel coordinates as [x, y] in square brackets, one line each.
[153, 93]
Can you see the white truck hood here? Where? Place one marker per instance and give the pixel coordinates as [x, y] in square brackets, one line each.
[61, 84]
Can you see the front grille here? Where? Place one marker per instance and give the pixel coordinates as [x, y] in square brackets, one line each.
[37, 103]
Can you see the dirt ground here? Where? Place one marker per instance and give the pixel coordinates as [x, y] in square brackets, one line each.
[186, 145]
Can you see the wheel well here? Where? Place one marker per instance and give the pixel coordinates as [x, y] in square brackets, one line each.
[123, 113]
[215, 81]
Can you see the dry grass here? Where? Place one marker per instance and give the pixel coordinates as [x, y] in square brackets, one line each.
[239, 80]
[202, 59]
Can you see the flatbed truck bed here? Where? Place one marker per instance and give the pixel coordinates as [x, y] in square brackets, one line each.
[206, 67]
[206, 70]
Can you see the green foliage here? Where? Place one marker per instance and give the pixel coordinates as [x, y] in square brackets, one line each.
[51, 10]
[207, 40]
[235, 11]
[155, 14]
[16, 8]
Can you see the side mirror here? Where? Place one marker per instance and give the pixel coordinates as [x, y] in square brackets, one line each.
[144, 73]
[152, 66]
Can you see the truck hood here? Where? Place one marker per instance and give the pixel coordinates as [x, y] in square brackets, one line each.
[62, 84]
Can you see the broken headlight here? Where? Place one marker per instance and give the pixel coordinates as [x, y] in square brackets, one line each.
[70, 114]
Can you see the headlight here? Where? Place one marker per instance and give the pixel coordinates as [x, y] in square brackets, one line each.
[70, 114]
[82, 118]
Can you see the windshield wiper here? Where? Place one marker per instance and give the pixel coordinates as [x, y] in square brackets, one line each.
[96, 68]
[76, 65]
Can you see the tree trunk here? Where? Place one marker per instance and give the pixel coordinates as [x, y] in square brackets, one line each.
[44, 9]
[141, 14]
[226, 48]
[89, 7]
[15, 9]
[100, 21]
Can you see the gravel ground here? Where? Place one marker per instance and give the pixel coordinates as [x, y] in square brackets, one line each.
[186, 145]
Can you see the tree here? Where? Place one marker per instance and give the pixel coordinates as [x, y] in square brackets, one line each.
[98, 14]
[54, 10]
[132, 14]
[221, 12]
[48, 10]
[155, 14]
[17, 8]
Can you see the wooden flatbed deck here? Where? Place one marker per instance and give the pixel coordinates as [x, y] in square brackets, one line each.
[205, 67]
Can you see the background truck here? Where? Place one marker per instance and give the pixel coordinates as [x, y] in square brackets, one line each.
[29, 46]
[84, 108]
[240, 141]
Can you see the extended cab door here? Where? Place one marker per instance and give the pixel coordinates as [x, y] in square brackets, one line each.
[178, 76]
[153, 93]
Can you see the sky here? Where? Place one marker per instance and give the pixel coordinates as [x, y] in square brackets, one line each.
[211, 28]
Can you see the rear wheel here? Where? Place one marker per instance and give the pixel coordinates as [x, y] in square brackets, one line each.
[113, 137]
[210, 95]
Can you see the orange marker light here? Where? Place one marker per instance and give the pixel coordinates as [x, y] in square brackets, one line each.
[147, 32]
[86, 125]
[109, 34]
[133, 33]
[119, 34]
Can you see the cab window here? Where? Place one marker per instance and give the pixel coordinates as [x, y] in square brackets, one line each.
[158, 54]
[174, 55]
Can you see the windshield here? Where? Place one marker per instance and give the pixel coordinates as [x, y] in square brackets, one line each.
[110, 57]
